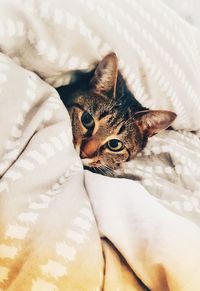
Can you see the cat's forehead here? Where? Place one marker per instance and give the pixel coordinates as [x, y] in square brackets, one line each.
[111, 113]
[104, 108]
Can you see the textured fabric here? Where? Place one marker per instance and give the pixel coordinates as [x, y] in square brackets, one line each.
[47, 228]
[158, 51]
[50, 236]
[152, 239]
[188, 10]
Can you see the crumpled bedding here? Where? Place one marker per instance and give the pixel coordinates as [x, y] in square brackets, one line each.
[62, 228]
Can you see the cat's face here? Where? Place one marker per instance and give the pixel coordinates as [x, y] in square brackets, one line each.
[109, 126]
[102, 135]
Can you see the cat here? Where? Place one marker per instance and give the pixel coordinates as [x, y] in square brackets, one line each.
[110, 127]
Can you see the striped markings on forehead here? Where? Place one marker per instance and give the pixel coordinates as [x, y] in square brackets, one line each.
[117, 125]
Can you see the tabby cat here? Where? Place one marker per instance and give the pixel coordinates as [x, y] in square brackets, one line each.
[109, 125]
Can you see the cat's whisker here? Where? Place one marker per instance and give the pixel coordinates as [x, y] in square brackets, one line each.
[97, 170]
[108, 170]
[102, 171]
[111, 173]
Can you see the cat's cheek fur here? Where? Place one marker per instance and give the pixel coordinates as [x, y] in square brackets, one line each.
[86, 162]
[91, 162]
[114, 160]
[77, 128]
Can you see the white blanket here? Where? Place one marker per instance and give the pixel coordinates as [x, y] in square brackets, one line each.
[65, 229]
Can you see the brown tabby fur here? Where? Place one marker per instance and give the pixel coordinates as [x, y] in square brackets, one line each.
[116, 114]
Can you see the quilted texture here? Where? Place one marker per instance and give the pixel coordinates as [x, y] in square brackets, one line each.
[57, 230]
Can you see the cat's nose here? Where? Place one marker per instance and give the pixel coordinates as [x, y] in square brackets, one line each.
[89, 149]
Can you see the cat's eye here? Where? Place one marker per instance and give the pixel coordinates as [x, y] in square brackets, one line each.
[115, 145]
[87, 120]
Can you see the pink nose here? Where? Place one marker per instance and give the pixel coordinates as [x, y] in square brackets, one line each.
[89, 149]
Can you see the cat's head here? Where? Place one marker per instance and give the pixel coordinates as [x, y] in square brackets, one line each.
[109, 125]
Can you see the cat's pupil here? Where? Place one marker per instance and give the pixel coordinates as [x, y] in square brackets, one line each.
[115, 145]
[87, 120]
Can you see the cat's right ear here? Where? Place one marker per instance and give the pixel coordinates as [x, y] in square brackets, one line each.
[153, 121]
[105, 75]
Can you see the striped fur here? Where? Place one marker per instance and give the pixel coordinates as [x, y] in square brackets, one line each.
[117, 115]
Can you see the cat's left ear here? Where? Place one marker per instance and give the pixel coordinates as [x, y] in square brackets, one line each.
[105, 75]
[153, 121]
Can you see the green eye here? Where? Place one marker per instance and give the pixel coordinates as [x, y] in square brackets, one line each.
[115, 145]
[87, 120]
